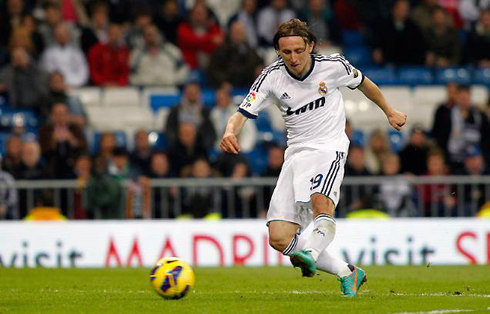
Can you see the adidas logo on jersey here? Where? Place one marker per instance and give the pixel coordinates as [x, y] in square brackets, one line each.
[285, 96]
[320, 102]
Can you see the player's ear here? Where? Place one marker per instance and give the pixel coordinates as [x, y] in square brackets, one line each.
[311, 46]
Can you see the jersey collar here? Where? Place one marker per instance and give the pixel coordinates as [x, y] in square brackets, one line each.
[302, 78]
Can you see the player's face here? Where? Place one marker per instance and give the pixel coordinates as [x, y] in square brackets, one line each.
[296, 54]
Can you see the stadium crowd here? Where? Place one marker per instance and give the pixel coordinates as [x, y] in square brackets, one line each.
[48, 48]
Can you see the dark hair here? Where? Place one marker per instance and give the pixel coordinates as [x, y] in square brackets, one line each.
[294, 27]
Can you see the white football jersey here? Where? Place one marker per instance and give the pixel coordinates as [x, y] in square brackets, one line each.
[312, 106]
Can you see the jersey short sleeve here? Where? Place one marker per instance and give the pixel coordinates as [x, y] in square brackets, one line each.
[260, 90]
[347, 75]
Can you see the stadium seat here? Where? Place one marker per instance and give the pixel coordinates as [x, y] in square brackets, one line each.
[396, 140]
[18, 117]
[3, 141]
[459, 75]
[89, 96]
[358, 56]
[429, 95]
[381, 76]
[121, 97]
[415, 76]
[208, 97]
[479, 95]
[158, 140]
[149, 92]
[352, 38]
[400, 97]
[258, 160]
[358, 138]
[160, 118]
[481, 76]
[158, 101]
[263, 122]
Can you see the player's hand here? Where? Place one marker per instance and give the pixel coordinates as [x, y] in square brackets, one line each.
[229, 143]
[397, 119]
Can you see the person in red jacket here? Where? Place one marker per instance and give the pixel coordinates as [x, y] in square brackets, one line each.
[198, 37]
[109, 63]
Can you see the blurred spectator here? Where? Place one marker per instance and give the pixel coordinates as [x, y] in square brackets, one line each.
[31, 167]
[98, 28]
[398, 40]
[65, 58]
[27, 38]
[191, 110]
[460, 127]
[413, 157]
[235, 61]
[443, 46]
[8, 195]
[73, 11]
[168, 20]
[106, 146]
[12, 161]
[24, 81]
[135, 35]
[220, 11]
[436, 199]
[478, 42]
[322, 22]
[473, 194]
[58, 93]
[198, 37]
[109, 62]
[162, 198]
[52, 18]
[269, 19]
[470, 10]
[83, 175]
[378, 147]
[105, 196]
[61, 142]
[248, 17]
[348, 12]
[201, 200]
[395, 193]
[10, 19]
[423, 14]
[274, 164]
[157, 62]
[357, 196]
[225, 163]
[186, 150]
[140, 158]
[245, 202]
[220, 114]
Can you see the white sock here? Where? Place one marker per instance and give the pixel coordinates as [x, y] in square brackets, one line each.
[325, 262]
[322, 235]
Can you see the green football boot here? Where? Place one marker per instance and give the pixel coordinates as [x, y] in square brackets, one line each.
[304, 260]
[349, 285]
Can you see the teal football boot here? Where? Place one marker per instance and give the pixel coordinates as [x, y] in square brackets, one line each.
[349, 285]
[305, 261]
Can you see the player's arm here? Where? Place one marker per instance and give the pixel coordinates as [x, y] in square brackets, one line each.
[229, 142]
[396, 118]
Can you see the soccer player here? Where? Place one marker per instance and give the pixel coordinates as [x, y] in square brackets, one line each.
[306, 86]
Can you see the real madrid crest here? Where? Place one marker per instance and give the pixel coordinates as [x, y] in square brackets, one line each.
[322, 88]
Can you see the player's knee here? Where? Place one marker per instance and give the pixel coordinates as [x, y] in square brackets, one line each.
[279, 242]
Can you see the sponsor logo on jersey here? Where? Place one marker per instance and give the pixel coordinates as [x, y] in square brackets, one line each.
[356, 73]
[249, 99]
[320, 102]
[285, 96]
[322, 88]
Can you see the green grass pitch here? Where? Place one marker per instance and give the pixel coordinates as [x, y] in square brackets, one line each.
[390, 289]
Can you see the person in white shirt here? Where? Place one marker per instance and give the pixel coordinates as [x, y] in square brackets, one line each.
[65, 58]
[306, 87]
[270, 17]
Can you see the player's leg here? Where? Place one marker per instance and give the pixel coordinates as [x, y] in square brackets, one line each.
[283, 236]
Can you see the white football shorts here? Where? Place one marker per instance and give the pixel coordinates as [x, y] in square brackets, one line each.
[306, 172]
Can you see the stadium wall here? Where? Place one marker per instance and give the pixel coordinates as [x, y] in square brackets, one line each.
[236, 242]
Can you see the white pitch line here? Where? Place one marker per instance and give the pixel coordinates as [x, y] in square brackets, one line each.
[438, 312]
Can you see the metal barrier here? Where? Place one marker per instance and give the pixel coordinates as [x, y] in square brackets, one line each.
[398, 196]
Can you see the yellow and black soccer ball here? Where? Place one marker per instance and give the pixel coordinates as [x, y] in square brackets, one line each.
[172, 278]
